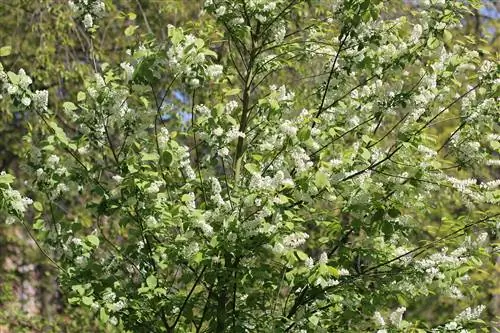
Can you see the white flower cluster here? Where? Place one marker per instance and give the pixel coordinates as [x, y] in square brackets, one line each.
[397, 316]
[128, 69]
[216, 189]
[18, 87]
[186, 163]
[281, 94]
[214, 71]
[154, 187]
[470, 314]
[87, 11]
[378, 319]
[14, 201]
[295, 240]
[262, 10]
[301, 160]
[442, 260]
[233, 134]
[187, 57]
[267, 183]
[163, 137]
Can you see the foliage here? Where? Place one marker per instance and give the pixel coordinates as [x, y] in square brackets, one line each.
[302, 182]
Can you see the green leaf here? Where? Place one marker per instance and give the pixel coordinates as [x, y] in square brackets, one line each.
[333, 271]
[321, 179]
[365, 154]
[252, 168]
[6, 178]
[103, 316]
[314, 320]
[131, 30]
[447, 36]
[232, 92]
[87, 300]
[38, 206]
[59, 133]
[149, 157]
[38, 225]
[199, 43]
[176, 35]
[79, 289]
[151, 282]
[495, 144]
[210, 53]
[69, 106]
[166, 158]
[13, 77]
[432, 42]
[304, 133]
[301, 255]
[94, 240]
[81, 96]
[393, 212]
[5, 50]
[186, 198]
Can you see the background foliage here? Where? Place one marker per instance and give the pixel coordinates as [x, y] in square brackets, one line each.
[125, 220]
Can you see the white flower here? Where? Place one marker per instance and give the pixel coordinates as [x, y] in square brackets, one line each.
[261, 18]
[190, 200]
[17, 201]
[41, 99]
[220, 11]
[396, 317]
[295, 240]
[11, 89]
[53, 161]
[72, 6]
[323, 258]
[206, 228]
[451, 326]
[269, 6]
[26, 101]
[115, 307]
[288, 128]
[194, 83]
[191, 249]
[470, 314]
[77, 241]
[309, 262]
[278, 248]
[224, 151]
[214, 71]
[98, 8]
[301, 159]
[218, 131]
[61, 188]
[378, 319]
[202, 109]
[87, 21]
[128, 69]
[234, 134]
[231, 106]
[24, 80]
[163, 137]
[154, 187]
[416, 33]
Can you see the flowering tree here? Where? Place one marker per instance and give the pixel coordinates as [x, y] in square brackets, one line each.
[299, 186]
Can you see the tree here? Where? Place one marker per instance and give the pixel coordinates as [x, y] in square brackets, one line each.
[264, 207]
